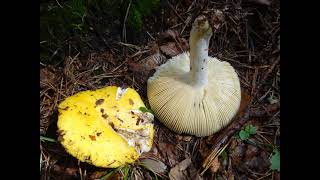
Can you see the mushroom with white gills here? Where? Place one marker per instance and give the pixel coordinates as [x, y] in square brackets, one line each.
[194, 93]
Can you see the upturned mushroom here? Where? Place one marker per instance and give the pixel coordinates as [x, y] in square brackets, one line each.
[105, 127]
[194, 93]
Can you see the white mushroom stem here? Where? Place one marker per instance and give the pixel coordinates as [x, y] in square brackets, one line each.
[200, 35]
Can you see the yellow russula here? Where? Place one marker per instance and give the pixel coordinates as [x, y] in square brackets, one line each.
[105, 127]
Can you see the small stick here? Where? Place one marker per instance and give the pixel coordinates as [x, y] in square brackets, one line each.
[151, 36]
[254, 80]
[124, 33]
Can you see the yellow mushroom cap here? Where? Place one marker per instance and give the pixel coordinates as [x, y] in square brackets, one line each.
[189, 102]
[105, 127]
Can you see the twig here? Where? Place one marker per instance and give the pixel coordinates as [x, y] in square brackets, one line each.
[192, 4]
[246, 66]
[187, 21]
[125, 61]
[174, 26]
[254, 80]
[139, 53]
[59, 4]
[266, 75]
[264, 176]
[130, 45]
[151, 36]
[124, 33]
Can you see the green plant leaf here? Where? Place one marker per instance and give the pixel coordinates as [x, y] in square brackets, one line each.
[275, 160]
[125, 171]
[251, 129]
[224, 155]
[42, 138]
[244, 135]
[144, 109]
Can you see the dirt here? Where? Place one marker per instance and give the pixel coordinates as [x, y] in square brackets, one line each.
[246, 34]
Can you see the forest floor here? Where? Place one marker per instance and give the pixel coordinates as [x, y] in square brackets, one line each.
[246, 34]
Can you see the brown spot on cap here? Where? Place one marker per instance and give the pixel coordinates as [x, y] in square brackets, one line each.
[111, 162]
[93, 138]
[99, 102]
[102, 110]
[66, 108]
[105, 116]
[120, 119]
[132, 157]
[131, 102]
[112, 126]
[99, 133]
[138, 121]
[61, 132]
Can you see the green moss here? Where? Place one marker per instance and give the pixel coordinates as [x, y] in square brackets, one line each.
[84, 18]
[139, 10]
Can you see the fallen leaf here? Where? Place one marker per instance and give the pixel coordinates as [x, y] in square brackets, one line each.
[251, 152]
[142, 70]
[169, 35]
[97, 175]
[170, 153]
[184, 164]
[170, 49]
[194, 173]
[217, 19]
[71, 171]
[178, 172]
[237, 150]
[245, 101]
[155, 165]
[214, 166]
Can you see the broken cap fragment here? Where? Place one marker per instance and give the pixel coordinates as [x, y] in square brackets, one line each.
[105, 127]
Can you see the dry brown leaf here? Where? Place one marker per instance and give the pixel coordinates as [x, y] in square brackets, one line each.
[217, 19]
[170, 49]
[214, 166]
[178, 172]
[142, 70]
[250, 152]
[169, 34]
[170, 153]
[245, 101]
[194, 174]
[237, 150]
[97, 174]
[155, 165]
